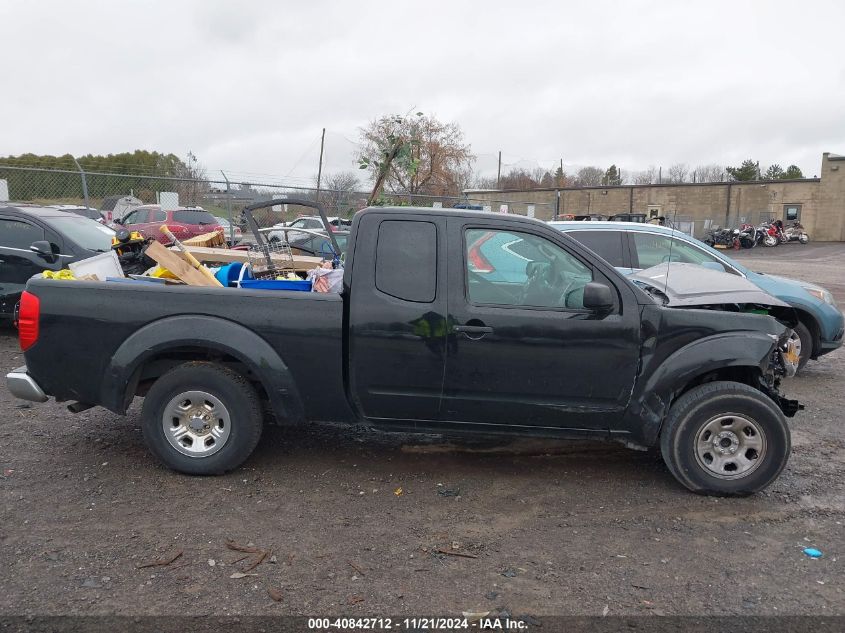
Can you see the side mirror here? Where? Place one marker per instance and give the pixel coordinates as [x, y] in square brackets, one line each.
[118, 221]
[597, 297]
[44, 249]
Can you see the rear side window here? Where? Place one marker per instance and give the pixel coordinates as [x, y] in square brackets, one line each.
[18, 234]
[606, 244]
[406, 260]
[193, 217]
[159, 215]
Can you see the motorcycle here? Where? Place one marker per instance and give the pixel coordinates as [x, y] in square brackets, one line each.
[794, 233]
[728, 238]
[770, 232]
[748, 236]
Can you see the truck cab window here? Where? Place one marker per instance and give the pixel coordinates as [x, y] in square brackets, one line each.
[520, 269]
[406, 260]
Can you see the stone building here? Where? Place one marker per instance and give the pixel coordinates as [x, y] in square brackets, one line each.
[819, 203]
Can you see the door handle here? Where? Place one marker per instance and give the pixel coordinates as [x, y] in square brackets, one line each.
[473, 329]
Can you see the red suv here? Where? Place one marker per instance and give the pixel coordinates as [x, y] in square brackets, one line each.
[184, 222]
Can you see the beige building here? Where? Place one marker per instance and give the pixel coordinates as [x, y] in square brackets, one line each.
[819, 203]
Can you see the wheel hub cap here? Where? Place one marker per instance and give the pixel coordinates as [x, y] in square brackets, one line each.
[730, 446]
[196, 423]
[726, 443]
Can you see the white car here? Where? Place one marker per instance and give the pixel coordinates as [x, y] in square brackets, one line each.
[310, 222]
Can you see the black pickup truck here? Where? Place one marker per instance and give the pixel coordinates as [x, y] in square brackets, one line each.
[449, 322]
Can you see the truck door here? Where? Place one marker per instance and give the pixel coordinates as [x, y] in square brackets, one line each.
[17, 262]
[522, 349]
[397, 316]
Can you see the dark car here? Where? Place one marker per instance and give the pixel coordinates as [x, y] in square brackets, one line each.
[425, 338]
[320, 245]
[34, 239]
[85, 212]
[184, 222]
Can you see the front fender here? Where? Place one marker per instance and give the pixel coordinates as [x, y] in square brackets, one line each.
[212, 333]
[653, 396]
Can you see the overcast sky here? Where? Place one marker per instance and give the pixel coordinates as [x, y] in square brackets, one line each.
[247, 86]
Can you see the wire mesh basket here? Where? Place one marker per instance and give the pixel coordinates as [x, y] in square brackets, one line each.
[271, 260]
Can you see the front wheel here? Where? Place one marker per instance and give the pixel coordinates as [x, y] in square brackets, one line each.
[201, 419]
[725, 439]
[803, 340]
[770, 240]
[804, 238]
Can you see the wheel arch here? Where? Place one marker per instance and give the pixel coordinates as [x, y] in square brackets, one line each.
[157, 346]
[737, 357]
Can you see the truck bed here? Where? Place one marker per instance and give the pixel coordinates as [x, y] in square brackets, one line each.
[305, 329]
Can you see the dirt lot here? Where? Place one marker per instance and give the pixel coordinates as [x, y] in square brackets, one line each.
[355, 519]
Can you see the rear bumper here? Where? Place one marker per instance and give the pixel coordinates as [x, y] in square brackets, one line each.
[22, 386]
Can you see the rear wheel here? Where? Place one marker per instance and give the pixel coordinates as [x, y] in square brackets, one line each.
[725, 439]
[201, 419]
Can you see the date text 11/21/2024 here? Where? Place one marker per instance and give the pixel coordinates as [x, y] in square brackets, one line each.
[483, 623]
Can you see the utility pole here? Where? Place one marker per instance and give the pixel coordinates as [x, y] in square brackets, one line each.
[229, 207]
[320, 168]
[499, 172]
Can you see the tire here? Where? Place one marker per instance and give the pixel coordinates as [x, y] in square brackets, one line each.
[804, 238]
[805, 340]
[758, 440]
[770, 240]
[201, 419]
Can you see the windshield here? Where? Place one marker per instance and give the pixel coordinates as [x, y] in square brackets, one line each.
[83, 232]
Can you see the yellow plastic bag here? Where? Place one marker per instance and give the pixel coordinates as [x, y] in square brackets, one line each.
[60, 274]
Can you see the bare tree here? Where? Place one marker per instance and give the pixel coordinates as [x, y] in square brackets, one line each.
[589, 177]
[520, 178]
[678, 173]
[485, 182]
[709, 173]
[338, 193]
[646, 177]
[438, 162]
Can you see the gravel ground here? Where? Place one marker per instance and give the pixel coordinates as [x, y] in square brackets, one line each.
[355, 520]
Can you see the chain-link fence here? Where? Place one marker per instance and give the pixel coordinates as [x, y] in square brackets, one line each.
[116, 194]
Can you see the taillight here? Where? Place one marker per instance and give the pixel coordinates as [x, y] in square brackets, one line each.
[479, 263]
[28, 312]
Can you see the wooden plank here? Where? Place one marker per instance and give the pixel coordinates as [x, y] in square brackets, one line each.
[178, 266]
[228, 255]
[215, 238]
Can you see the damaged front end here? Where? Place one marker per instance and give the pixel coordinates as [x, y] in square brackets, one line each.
[783, 363]
[684, 287]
